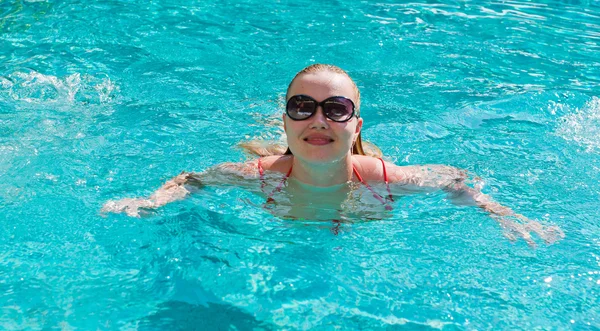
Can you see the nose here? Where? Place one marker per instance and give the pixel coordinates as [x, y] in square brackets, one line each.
[319, 121]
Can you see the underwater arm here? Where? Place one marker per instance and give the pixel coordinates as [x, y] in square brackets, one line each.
[179, 187]
[453, 181]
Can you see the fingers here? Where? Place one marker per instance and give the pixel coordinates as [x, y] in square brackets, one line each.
[114, 206]
[132, 211]
[534, 226]
[510, 236]
[549, 234]
[527, 237]
[513, 230]
[107, 207]
[131, 207]
[552, 234]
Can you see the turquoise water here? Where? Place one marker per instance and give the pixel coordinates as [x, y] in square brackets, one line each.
[107, 100]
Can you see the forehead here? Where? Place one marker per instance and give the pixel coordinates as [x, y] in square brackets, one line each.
[322, 85]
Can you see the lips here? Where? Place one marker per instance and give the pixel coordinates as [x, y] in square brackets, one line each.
[318, 139]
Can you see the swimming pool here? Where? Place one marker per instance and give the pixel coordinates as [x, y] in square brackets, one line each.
[108, 100]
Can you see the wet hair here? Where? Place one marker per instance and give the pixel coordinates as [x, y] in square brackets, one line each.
[261, 148]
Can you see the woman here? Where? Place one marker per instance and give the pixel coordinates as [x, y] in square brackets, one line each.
[325, 160]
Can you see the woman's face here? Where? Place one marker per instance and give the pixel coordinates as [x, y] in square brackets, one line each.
[319, 139]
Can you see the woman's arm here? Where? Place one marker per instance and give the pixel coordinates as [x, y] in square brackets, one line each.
[453, 181]
[179, 187]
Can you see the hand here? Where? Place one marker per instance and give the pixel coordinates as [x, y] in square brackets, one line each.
[129, 206]
[512, 230]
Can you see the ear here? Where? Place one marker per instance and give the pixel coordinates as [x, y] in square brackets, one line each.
[359, 124]
[284, 126]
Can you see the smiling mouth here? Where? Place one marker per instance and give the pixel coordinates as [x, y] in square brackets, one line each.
[319, 141]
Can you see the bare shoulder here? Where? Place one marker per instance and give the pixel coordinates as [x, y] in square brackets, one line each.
[372, 169]
[278, 163]
[250, 169]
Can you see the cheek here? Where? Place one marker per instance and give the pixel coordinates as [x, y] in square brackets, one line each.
[349, 131]
[292, 129]
[288, 125]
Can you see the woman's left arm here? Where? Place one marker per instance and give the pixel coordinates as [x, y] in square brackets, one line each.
[453, 181]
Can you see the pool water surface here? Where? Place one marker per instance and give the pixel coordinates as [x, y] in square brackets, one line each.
[108, 100]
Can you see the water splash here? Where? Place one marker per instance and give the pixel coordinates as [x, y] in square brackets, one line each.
[582, 126]
[34, 87]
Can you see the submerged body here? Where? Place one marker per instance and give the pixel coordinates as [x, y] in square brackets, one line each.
[326, 171]
[288, 197]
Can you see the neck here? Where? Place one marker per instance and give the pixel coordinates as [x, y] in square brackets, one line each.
[323, 174]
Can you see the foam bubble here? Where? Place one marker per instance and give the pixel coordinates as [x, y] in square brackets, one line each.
[5, 83]
[35, 87]
[583, 125]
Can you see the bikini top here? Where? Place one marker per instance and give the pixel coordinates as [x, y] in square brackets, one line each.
[385, 201]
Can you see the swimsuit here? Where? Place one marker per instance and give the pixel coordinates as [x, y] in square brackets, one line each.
[384, 201]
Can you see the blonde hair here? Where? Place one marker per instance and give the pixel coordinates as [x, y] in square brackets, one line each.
[318, 67]
[264, 148]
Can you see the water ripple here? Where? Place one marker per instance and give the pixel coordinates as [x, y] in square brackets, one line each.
[582, 126]
[111, 99]
[31, 86]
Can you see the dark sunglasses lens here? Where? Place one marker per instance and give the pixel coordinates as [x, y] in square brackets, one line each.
[300, 108]
[339, 109]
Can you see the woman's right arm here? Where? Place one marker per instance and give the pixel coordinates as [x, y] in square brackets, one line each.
[179, 187]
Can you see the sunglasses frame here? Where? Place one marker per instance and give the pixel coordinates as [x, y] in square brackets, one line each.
[321, 104]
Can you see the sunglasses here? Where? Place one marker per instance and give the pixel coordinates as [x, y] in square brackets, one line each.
[338, 109]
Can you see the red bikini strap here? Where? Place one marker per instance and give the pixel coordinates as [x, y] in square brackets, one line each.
[384, 171]
[278, 188]
[375, 194]
[385, 178]
[358, 175]
[261, 171]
